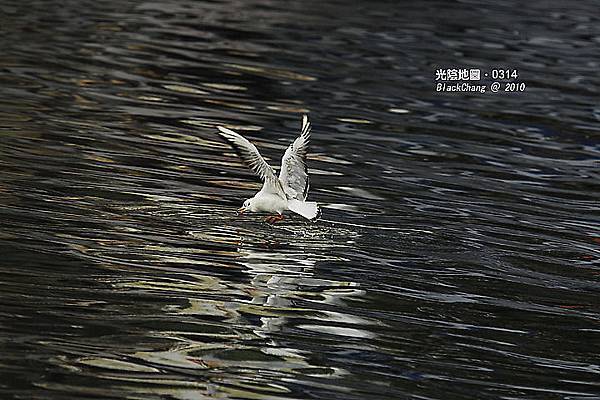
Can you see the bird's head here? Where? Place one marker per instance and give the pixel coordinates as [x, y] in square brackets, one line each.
[247, 206]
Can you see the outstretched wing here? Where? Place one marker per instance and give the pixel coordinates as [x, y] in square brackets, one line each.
[252, 158]
[294, 173]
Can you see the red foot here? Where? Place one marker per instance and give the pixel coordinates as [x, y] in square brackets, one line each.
[271, 219]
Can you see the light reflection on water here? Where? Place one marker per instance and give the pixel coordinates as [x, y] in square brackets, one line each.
[232, 326]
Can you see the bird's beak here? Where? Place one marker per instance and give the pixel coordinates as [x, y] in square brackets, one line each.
[241, 210]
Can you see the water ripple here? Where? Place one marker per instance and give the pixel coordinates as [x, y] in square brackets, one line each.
[457, 253]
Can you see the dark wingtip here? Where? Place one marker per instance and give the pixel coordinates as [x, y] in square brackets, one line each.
[318, 216]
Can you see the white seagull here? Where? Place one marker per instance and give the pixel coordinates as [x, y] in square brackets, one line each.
[286, 192]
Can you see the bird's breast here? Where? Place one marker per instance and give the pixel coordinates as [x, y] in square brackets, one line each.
[270, 203]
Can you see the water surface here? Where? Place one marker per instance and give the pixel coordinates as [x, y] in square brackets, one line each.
[457, 253]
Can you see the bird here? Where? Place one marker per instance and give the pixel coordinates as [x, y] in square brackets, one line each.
[289, 190]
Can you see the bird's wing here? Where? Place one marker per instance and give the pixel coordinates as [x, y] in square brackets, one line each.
[252, 158]
[294, 173]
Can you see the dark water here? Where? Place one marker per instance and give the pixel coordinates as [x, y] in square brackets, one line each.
[457, 257]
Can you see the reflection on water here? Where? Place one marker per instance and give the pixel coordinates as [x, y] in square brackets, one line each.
[457, 253]
[218, 329]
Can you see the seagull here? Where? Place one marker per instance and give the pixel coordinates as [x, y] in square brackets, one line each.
[278, 194]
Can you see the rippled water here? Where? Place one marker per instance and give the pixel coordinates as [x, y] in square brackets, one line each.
[457, 253]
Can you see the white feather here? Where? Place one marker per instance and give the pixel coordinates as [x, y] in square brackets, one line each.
[294, 173]
[308, 209]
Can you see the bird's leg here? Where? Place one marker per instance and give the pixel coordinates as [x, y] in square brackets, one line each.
[271, 219]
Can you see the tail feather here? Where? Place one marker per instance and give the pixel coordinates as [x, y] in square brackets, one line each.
[308, 209]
